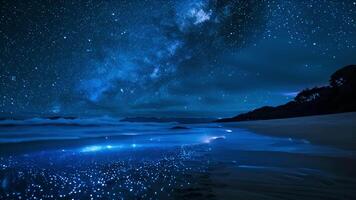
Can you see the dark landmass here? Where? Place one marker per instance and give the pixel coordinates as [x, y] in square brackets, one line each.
[338, 97]
[60, 117]
[160, 120]
[11, 118]
[49, 117]
[179, 128]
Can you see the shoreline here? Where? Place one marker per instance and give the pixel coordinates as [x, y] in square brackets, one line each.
[206, 161]
[336, 130]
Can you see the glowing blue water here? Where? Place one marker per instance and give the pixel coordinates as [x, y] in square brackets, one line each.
[105, 158]
[107, 134]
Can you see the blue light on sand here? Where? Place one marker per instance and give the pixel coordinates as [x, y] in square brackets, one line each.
[92, 148]
[96, 148]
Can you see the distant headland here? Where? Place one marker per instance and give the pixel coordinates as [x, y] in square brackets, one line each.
[339, 96]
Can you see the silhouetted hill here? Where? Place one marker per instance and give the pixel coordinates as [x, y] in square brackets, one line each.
[339, 96]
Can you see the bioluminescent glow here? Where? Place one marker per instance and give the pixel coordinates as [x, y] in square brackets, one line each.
[211, 139]
[92, 148]
[96, 148]
[158, 142]
[134, 167]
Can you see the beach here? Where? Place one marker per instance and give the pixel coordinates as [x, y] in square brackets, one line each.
[108, 159]
[335, 130]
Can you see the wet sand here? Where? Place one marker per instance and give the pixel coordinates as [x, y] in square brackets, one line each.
[335, 130]
[281, 175]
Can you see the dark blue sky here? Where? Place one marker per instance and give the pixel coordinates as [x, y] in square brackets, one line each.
[167, 58]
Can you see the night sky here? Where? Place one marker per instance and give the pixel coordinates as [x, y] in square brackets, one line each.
[196, 58]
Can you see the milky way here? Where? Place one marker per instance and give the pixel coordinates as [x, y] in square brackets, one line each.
[185, 58]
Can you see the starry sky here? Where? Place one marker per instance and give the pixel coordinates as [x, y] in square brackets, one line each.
[196, 58]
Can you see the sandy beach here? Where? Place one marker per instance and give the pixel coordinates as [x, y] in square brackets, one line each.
[336, 130]
[282, 175]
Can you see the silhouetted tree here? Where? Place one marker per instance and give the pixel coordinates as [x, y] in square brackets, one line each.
[313, 95]
[307, 95]
[340, 96]
[343, 83]
[345, 76]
